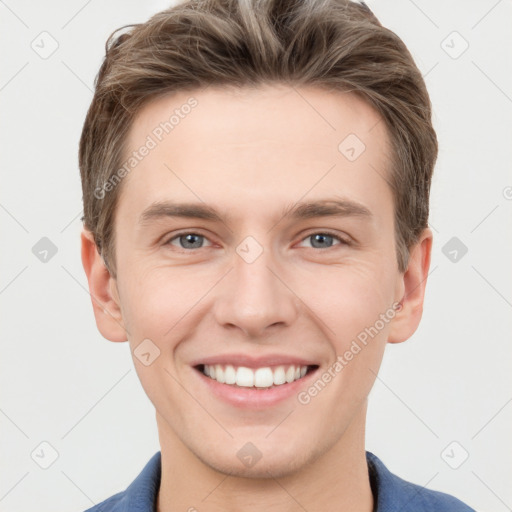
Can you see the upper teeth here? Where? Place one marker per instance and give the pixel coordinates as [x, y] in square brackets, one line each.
[258, 377]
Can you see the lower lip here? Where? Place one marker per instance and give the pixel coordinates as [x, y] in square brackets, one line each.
[255, 398]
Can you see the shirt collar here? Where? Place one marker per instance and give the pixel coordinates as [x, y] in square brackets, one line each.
[141, 494]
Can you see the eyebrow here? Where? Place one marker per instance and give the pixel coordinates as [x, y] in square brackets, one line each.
[303, 210]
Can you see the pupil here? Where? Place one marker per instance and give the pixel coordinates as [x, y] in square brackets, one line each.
[190, 240]
[321, 238]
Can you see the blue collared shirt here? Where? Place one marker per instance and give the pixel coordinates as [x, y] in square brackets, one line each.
[390, 492]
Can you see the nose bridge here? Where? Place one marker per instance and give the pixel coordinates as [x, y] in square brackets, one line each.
[254, 297]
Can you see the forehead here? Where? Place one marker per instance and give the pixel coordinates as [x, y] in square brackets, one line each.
[274, 113]
[244, 146]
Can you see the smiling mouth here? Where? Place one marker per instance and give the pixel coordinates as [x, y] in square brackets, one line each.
[256, 378]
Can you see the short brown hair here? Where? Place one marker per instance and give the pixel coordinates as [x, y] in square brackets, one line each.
[334, 44]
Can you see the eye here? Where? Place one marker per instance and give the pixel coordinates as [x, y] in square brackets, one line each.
[188, 240]
[192, 240]
[322, 240]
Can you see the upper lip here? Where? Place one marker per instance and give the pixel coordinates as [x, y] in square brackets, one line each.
[253, 361]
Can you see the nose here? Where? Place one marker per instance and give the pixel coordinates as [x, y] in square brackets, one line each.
[255, 296]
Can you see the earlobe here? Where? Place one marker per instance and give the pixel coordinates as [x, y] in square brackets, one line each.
[103, 291]
[414, 281]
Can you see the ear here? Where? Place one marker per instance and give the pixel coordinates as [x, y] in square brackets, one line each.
[103, 291]
[413, 282]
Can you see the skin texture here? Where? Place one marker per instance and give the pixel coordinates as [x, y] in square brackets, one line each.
[250, 154]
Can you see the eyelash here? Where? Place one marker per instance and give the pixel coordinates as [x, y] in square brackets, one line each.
[342, 241]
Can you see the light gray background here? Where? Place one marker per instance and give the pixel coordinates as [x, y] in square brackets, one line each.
[62, 383]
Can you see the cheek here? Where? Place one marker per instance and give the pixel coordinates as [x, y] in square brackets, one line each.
[358, 316]
[352, 299]
[158, 303]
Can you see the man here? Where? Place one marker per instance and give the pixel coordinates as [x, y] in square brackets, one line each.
[256, 180]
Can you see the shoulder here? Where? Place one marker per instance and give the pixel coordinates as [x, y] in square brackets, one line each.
[140, 495]
[116, 503]
[393, 493]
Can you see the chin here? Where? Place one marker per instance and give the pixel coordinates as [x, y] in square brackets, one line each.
[259, 460]
[264, 468]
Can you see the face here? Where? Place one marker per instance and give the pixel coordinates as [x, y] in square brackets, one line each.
[254, 248]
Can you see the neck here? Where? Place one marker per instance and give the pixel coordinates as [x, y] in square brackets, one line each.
[337, 480]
